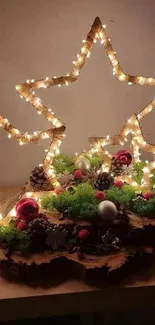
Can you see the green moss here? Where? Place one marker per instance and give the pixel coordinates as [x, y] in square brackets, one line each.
[95, 161]
[60, 202]
[88, 210]
[145, 208]
[14, 238]
[81, 204]
[85, 193]
[63, 164]
[123, 196]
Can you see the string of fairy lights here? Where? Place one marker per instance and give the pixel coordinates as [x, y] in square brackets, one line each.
[56, 132]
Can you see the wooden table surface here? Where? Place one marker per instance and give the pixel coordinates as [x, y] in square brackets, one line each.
[73, 296]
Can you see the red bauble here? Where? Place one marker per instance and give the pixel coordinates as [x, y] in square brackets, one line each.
[100, 195]
[22, 225]
[124, 157]
[27, 209]
[59, 190]
[83, 233]
[124, 160]
[148, 195]
[118, 183]
[78, 174]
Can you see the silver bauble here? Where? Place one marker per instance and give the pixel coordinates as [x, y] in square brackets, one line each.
[107, 210]
[82, 163]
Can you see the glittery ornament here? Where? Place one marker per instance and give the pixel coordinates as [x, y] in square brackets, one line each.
[82, 163]
[27, 209]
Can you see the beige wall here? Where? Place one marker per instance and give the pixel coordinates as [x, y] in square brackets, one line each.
[41, 38]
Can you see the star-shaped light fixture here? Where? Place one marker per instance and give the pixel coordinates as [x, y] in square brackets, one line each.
[56, 132]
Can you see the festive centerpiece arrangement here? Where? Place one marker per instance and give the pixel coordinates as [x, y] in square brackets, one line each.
[94, 211]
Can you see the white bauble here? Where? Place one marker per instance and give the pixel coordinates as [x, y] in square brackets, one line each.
[82, 163]
[107, 210]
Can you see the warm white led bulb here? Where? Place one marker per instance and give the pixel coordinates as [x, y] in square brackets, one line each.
[122, 77]
[146, 169]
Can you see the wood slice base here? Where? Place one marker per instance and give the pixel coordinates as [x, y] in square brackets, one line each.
[48, 269]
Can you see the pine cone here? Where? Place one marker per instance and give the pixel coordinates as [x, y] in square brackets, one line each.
[38, 179]
[103, 181]
[106, 243]
[110, 240]
[56, 237]
[37, 232]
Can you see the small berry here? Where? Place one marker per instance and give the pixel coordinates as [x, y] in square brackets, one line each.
[83, 233]
[59, 190]
[78, 174]
[118, 183]
[100, 195]
[148, 195]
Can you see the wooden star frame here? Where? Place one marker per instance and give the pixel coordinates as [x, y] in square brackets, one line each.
[56, 132]
[138, 142]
